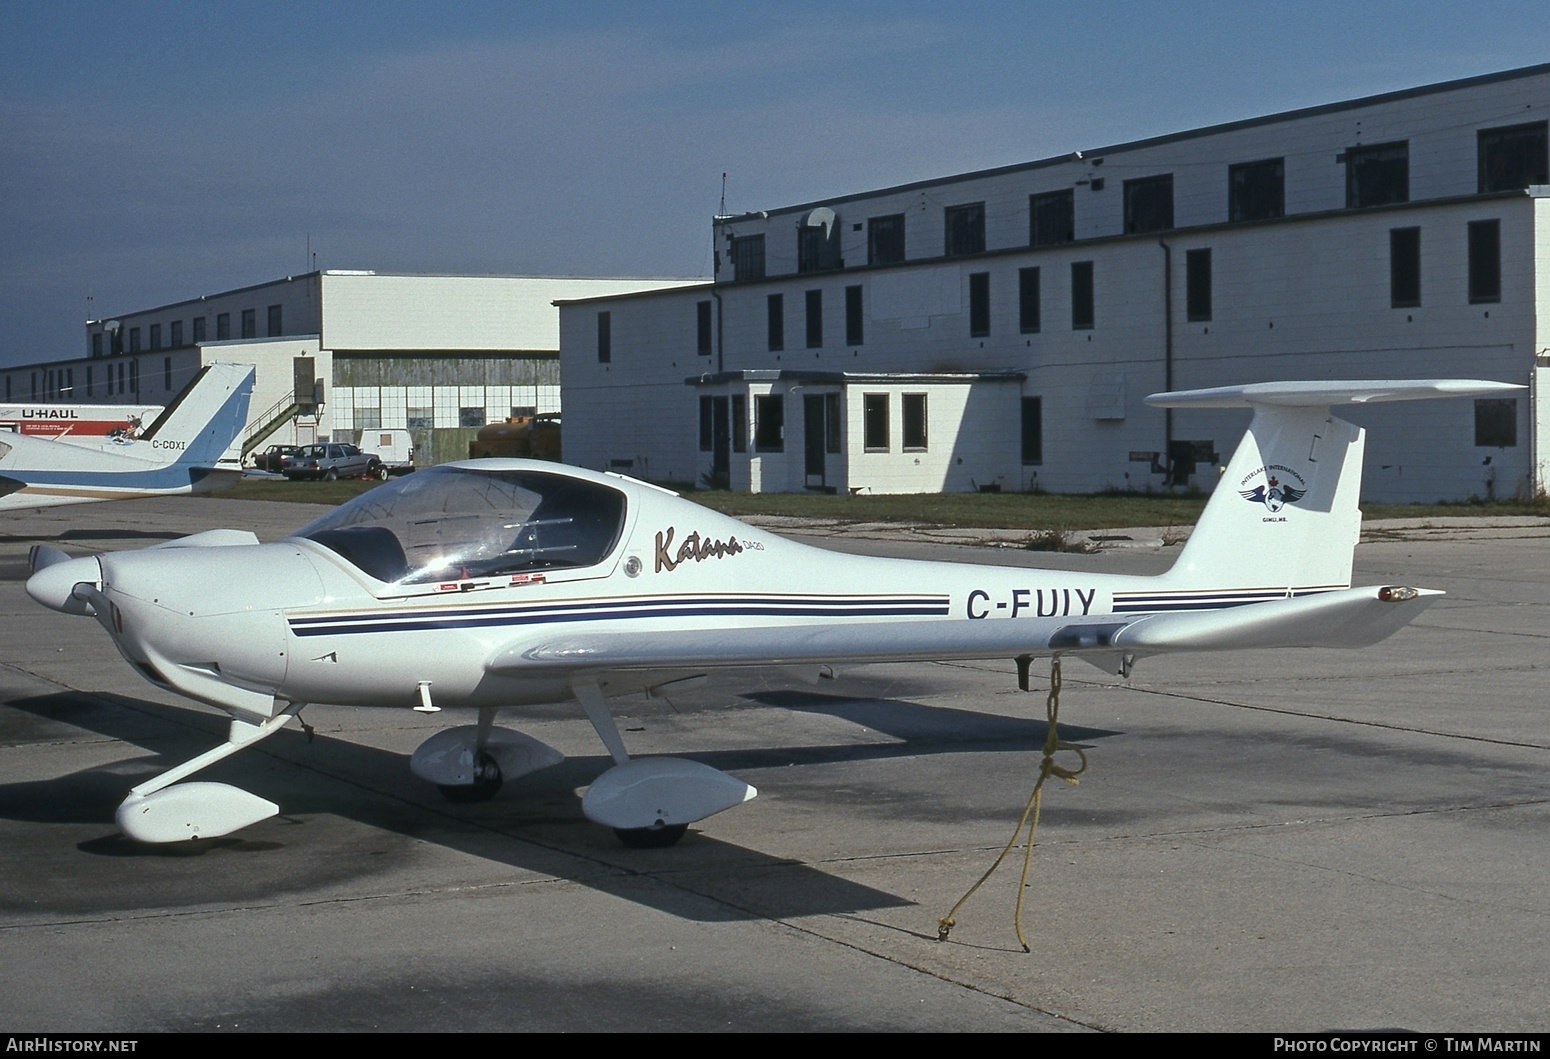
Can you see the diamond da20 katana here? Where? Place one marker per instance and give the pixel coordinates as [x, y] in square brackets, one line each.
[498, 584]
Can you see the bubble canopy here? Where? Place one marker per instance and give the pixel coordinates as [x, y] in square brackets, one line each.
[452, 523]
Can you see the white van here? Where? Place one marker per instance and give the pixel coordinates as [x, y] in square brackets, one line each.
[394, 448]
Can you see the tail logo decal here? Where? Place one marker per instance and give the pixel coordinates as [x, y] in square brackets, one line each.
[1274, 492]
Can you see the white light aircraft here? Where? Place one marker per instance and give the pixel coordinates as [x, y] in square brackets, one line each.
[508, 583]
[180, 453]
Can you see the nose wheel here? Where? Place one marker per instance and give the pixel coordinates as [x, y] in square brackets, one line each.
[487, 781]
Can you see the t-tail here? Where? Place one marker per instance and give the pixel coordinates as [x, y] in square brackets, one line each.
[1284, 519]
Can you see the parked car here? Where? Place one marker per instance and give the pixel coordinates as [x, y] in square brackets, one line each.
[276, 458]
[335, 460]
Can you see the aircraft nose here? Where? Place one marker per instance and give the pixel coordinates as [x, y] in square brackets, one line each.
[54, 585]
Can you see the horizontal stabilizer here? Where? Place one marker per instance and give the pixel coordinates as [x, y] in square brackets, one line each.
[1327, 393]
[1354, 617]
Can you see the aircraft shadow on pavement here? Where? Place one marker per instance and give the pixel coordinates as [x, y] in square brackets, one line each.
[534, 824]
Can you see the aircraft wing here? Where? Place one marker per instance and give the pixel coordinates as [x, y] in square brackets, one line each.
[1353, 617]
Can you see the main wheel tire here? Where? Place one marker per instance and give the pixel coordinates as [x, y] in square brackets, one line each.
[487, 781]
[330, 475]
[380, 472]
[651, 837]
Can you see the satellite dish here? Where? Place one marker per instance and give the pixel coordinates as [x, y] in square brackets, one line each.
[822, 217]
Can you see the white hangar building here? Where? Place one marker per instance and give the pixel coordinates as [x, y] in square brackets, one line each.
[999, 329]
[339, 352]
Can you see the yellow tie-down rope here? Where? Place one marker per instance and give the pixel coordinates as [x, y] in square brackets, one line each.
[1047, 768]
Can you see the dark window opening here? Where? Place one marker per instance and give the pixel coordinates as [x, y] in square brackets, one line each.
[702, 328]
[965, 229]
[176, 338]
[1149, 204]
[707, 413]
[470, 417]
[1033, 430]
[739, 422]
[1514, 157]
[815, 319]
[831, 405]
[769, 430]
[748, 257]
[776, 304]
[1404, 267]
[1377, 175]
[249, 323]
[1052, 218]
[979, 304]
[274, 321]
[1028, 300]
[1082, 314]
[1197, 284]
[885, 240]
[1485, 261]
[855, 326]
[96, 344]
[134, 340]
[605, 338]
[914, 422]
[1256, 191]
[818, 248]
[199, 329]
[1496, 422]
[166, 374]
[222, 326]
[155, 337]
[874, 422]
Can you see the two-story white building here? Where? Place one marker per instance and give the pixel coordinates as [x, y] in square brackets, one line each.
[999, 329]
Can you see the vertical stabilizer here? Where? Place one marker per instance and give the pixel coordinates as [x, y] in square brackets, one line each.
[204, 420]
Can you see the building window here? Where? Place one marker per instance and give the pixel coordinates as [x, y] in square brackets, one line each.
[249, 323]
[199, 329]
[1496, 422]
[702, 328]
[815, 319]
[1485, 261]
[89, 387]
[110, 380]
[1404, 267]
[605, 338]
[874, 422]
[274, 321]
[96, 344]
[1513, 158]
[885, 240]
[1197, 284]
[134, 340]
[1082, 296]
[914, 422]
[166, 374]
[471, 416]
[769, 429]
[965, 229]
[1033, 431]
[748, 257]
[134, 377]
[1028, 300]
[776, 304]
[707, 422]
[979, 304]
[739, 422]
[1377, 175]
[831, 434]
[70, 381]
[1149, 203]
[818, 248]
[1052, 218]
[176, 338]
[155, 337]
[855, 325]
[222, 326]
[421, 417]
[1256, 191]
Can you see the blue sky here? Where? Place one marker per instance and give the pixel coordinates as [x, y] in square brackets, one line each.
[155, 151]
